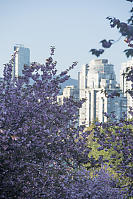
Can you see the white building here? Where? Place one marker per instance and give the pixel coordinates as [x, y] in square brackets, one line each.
[22, 57]
[82, 79]
[126, 85]
[116, 105]
[68, 91]
[94, 80]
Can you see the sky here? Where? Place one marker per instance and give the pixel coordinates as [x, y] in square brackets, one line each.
[72, 26]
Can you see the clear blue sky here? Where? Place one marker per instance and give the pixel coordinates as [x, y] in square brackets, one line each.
[73, 26]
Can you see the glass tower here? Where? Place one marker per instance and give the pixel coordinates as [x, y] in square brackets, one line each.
[22, 57]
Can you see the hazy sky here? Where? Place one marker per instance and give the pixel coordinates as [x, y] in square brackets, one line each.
[72, 26]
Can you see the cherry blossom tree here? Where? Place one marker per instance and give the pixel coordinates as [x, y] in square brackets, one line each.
[42, 148]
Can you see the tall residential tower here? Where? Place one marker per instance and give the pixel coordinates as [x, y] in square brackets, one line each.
[96, 81]
[126, 85]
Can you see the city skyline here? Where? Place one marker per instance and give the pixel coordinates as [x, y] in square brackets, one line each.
[96, 81]
[104, 96]
[73, 27]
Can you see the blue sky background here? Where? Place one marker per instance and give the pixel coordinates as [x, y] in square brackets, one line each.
[72, 26]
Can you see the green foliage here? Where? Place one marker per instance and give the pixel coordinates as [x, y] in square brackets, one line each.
[111, 158]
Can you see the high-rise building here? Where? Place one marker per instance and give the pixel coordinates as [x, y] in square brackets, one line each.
[96, 81]
[68, 91]
[82, 78]
[126, 85]
[22, 57]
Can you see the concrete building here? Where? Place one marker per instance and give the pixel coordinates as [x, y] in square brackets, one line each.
[68, 91]
[22, 57]
[116, 105]
[96, 81]
[126, 85]
[82, 79]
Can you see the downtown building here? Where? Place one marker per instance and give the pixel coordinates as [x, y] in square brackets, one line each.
[68, 91]
[126, 85]
[97, 80]
[22, 57]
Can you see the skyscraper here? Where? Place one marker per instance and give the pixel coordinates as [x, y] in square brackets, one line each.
[22, 57]
[126, 85]
[96, 81]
